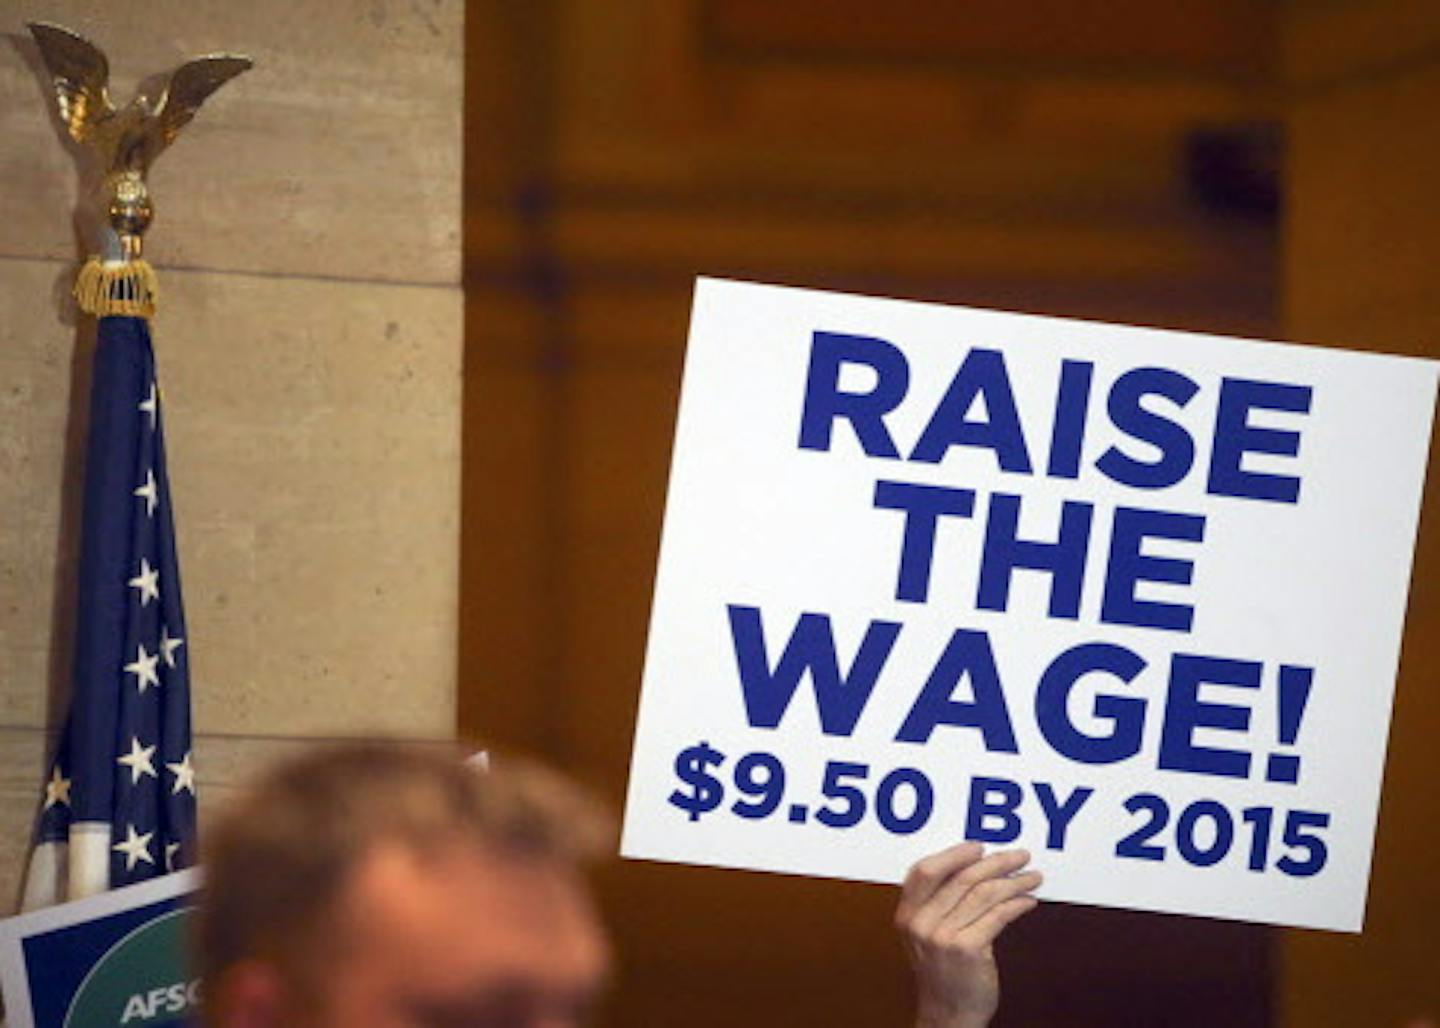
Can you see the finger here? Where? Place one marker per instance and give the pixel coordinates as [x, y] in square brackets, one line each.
[951, 892]
[985, 930]
[929, 874]
[986, 896]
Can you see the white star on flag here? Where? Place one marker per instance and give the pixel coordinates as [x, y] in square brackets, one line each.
[168, 646]
[171, 848]
[139, 761]
[143, 668]
[149, 493]
[136, 847]
[147, 581]
[57, 790]
[150, 405]
[184, 775]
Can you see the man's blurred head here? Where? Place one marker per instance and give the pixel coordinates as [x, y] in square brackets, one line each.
[372, 886]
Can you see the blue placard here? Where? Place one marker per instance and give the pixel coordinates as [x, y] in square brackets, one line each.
[118, 959]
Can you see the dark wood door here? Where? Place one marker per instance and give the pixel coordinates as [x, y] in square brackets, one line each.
[1035, 157]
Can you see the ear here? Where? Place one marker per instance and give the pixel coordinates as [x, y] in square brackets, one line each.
[248, 995]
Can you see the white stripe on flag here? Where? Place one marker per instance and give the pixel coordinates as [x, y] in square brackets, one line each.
[45, 879]
[89, 858]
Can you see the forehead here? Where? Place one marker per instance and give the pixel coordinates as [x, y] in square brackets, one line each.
[462, 920]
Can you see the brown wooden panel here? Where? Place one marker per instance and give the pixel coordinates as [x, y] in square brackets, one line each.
[1361, 271]
[506, 565]
[1212, 36]
[1324, 43]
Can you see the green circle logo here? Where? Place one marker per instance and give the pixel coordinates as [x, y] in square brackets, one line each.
[141, 981]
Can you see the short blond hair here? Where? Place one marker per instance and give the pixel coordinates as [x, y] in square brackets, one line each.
[281, 855]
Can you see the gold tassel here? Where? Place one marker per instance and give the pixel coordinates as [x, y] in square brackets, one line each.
[127, 288]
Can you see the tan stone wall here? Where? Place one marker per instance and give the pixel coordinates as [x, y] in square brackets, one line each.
[1362, 267]
[307, 235]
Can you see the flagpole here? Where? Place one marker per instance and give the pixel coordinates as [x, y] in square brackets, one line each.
[119, 801]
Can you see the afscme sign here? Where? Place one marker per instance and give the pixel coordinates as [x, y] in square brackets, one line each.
[115, 960]
[1130, 598]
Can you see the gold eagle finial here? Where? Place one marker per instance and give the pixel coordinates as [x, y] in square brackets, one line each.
[126, 140]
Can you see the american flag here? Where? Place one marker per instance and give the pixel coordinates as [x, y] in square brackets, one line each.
[119, 799]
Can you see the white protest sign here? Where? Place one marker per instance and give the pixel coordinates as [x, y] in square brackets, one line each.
[1129, 598]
